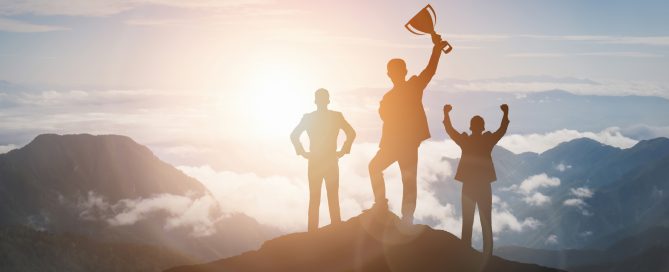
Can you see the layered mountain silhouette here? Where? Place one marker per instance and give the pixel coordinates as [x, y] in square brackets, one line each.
[79, 184]
[628, 192]
[67, 189]
[639, 252]
[372, 241]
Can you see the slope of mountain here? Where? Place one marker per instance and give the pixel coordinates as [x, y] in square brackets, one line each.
[651, 260]
[373, 241]
[637, 250]
[622, 192]
[25, 249]
[113, 189]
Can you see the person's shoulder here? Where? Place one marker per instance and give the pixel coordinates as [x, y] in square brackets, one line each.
[337, 113]
[309, 115]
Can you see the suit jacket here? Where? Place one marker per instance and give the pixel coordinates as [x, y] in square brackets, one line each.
[476, 161]
[403, 115]
[323, 127]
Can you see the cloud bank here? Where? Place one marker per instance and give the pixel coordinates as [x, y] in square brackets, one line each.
[538, 143]
[199, 214]
[530, 186]
[282, 201]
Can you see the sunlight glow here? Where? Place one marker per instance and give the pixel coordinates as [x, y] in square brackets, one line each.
[276, 98]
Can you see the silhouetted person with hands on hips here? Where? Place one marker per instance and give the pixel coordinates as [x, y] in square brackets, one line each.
[322, 127]
[404, 128]
[476, 171]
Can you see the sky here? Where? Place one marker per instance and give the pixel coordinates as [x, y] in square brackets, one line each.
[215, 87]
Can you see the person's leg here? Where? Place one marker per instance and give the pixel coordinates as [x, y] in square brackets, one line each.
[485, 212]
[380, 162]
[468, 208]
[315, 183]
[409, 169]
[332, 188]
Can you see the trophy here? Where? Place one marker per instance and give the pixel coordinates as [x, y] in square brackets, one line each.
[423, 23]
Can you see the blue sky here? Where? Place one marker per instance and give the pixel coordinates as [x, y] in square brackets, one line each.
[116, 43]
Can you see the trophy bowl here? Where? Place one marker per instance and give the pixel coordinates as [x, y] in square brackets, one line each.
[423, 23]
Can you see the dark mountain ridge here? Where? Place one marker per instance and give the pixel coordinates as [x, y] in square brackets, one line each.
[372, 241]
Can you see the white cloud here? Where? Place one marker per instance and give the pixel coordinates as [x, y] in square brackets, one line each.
[562, 167]
[7, 148]
[11, 25]
[108, 7]
[607, 87]
[582, 192]
[528, 188]
[476, 37]
[282, 201]
[624, 54]
[539, 143]
[552, 239]
[182, 211]
[504, 219]
[535, 182]
[537, 199]
[642, 132]
[638, 40]
[574, 202]
[585, 233]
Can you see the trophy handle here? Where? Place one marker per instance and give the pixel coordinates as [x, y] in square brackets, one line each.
[448, 48]
[432, 13]
[409, 27]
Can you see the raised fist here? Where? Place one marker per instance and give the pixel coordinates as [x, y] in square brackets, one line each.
[504, 107]
[447, 108]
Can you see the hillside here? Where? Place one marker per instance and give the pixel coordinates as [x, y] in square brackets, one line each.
[112, 189]
[372, 241]
[25, 249]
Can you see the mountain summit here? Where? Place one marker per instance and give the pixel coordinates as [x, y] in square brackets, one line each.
[372, 241]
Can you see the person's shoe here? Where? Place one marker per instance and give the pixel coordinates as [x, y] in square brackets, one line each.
[407, 220]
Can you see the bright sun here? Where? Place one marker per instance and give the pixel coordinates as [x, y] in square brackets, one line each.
[277, 98]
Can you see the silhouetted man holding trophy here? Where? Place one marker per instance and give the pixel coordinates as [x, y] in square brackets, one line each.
[322, 127]
[404, 120]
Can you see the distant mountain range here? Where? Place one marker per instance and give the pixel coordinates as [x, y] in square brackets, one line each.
[644, 252]
[373, 241]
[101, 192]
[625, 192]
[610, 210]
[79, 184]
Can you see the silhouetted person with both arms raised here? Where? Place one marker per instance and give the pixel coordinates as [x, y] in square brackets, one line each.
[476, 171]
[322, 127]
[404, 128]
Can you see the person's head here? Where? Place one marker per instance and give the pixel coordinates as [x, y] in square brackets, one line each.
[322, 97]
[397, 70]
[477, 125]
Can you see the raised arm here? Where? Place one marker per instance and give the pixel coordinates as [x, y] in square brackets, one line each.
[350, 136]
[504, 125]
[454, 134]
[295, 137]
[426, 75]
